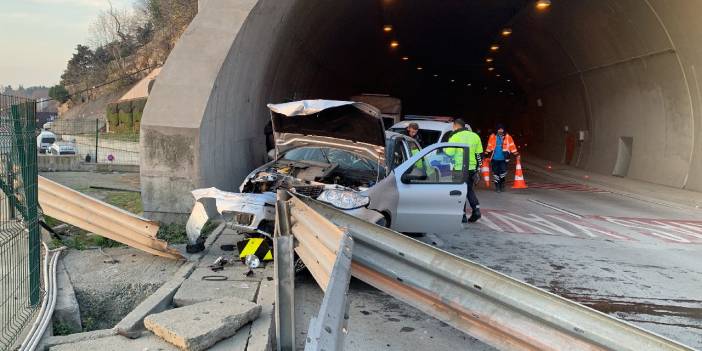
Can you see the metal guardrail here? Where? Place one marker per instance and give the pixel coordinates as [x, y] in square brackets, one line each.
[72, 207]
[498, 310]
[326, 251]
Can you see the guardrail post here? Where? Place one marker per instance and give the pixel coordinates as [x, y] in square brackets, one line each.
[284, 262]
[328, 330]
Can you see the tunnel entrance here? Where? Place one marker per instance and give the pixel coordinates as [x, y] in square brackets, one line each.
[603, 68]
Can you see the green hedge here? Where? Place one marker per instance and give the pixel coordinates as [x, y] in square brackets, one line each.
[113, 116]
[125, 106]
[126, 116]
[125, 121]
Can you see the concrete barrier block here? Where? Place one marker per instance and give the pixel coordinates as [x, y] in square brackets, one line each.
[263, 328]
[67, 310]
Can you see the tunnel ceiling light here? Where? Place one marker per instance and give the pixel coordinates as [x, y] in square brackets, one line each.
[498, 75]
[469, 84]
[494, 47]
[419, 68]
[509, 80]
[489, 59]
[436, 75]
[394, 44]
[405, 58]
[387, 28]
[491, 69]
[453, 80]
[543, 4]
[506, 32]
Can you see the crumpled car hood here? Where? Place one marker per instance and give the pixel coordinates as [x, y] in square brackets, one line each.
[356, 125]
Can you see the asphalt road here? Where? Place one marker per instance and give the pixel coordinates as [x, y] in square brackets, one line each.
[635, 260]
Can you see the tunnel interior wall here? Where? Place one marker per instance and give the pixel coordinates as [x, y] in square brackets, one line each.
[616, 68]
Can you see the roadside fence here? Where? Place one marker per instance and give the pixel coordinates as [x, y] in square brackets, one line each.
[94, 142]
[21, 292]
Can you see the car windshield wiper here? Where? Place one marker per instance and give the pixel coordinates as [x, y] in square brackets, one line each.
[324, 154]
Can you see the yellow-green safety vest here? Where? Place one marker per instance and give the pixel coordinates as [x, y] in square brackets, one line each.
[473, 141]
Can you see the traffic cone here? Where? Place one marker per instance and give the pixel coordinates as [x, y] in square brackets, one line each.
[485, 172]
[519, 182]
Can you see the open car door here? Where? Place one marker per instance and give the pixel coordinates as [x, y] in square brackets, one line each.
[432, 192]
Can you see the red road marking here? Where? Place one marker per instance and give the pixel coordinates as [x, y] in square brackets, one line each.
[565, 187]
[672, 231]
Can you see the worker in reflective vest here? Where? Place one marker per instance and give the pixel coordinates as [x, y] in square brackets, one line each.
[462, 135]
[499, 149]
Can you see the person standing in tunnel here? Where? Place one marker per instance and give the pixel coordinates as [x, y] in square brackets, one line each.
[462, 135]
[500, 147]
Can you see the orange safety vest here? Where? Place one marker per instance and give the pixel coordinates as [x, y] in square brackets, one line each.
[507, 144]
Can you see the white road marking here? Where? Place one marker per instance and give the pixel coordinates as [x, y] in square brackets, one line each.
[488, 222]
[646, 230]
[556, 208]
[589, 230]
[676, 231]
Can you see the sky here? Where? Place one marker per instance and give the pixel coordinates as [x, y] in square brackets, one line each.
[38, 37]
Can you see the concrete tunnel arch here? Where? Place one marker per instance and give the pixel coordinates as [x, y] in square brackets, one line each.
[611, 68]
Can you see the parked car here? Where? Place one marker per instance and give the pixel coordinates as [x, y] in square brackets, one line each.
[44, 141]
[338, 153]
[63, 148]
[430, 131]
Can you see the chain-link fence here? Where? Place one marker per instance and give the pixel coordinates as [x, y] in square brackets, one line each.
[20, 263]
[92, 140]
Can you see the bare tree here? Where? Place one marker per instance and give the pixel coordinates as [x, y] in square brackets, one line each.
[115, 30]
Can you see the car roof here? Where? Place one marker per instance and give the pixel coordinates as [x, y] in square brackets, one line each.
[392, 135]
[430, 125]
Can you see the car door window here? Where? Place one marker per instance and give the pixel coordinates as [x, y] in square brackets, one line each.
[398, 153]
[438, 167]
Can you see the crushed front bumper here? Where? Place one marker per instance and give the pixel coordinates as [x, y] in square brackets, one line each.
[245, 211]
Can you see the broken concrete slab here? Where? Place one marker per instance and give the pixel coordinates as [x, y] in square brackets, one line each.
[197, 327]
[52, 341]
[159, 301]
[236, 342]
[196, 290]
[147, 341]
[66, 310]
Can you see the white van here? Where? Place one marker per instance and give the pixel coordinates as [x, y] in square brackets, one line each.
[44, 141]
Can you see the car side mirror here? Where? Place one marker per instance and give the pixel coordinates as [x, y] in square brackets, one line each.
[271, 154]
[409, 178]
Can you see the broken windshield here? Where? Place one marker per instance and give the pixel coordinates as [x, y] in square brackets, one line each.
[345, 159]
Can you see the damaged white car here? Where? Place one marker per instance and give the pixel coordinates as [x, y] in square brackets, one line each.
[339, 153]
